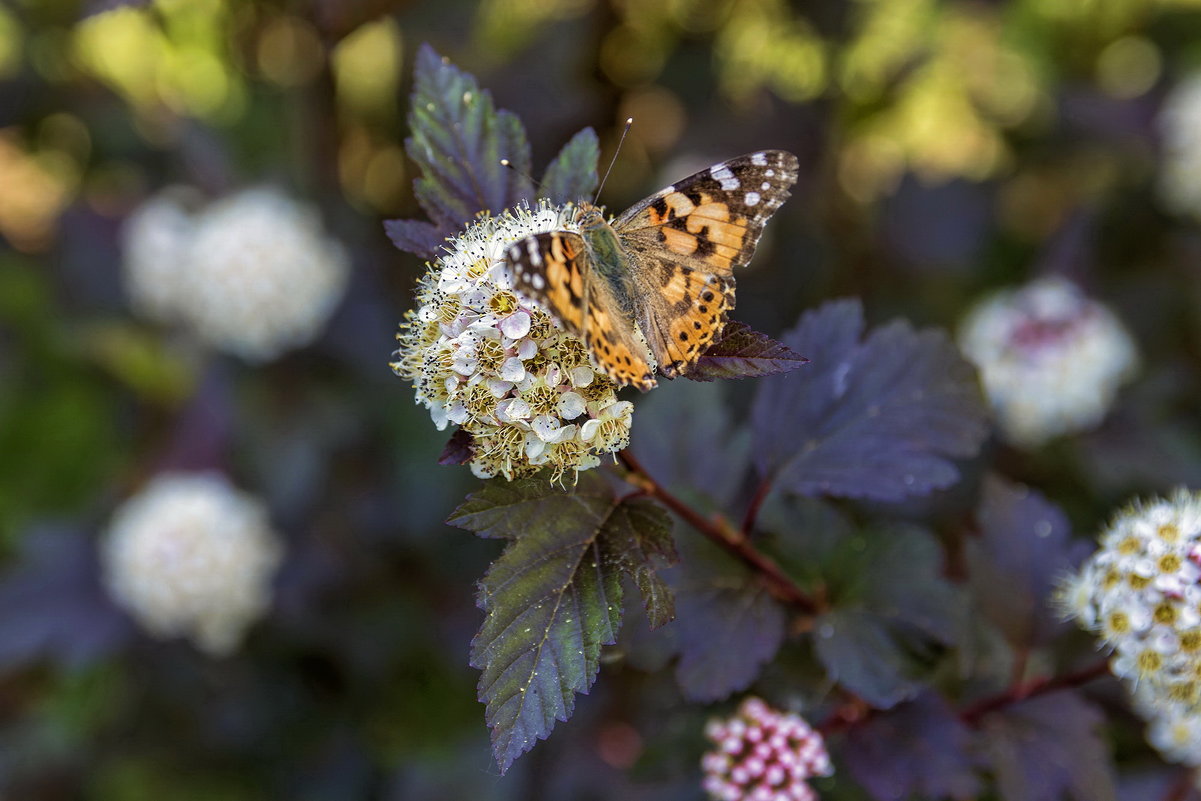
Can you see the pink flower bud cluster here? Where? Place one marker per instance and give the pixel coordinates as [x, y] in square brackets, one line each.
[762, 754]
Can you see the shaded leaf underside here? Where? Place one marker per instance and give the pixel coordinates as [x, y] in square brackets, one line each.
[743, 352]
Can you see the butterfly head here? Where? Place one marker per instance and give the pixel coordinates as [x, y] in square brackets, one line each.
[590, 217]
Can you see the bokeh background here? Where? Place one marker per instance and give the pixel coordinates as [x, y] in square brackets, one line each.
[947, 148]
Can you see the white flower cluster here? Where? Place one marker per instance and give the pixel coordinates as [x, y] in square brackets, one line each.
[499, 367]
[252, 274]
[1050, 359]
[1141, 593]
[190, 555]
[763, 755]
[1180, 160]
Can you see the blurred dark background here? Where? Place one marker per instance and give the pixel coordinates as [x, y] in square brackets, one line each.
[947, 148]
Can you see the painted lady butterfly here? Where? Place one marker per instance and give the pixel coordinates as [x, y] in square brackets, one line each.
[653, 287]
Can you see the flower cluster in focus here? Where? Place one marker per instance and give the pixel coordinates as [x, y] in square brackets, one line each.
[499, 367]
[190, 555]
[1051, 360]
[252, 274]
[1141, 593]
[763, 755]
[1180, 165]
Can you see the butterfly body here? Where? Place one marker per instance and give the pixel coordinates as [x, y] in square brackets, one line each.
[652, 288]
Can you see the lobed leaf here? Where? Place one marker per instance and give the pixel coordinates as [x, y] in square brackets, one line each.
[885, 623]
[743, 352]
[458, 139]
[920, 749]
[1024, 548]
[415, 236]
[554, 597]
[879, 418]
[726, 632]
[1045, 748]
[571, 177]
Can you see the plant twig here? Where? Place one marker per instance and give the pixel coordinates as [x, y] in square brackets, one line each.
[752, 509]
[1030, 689]
[723, 534]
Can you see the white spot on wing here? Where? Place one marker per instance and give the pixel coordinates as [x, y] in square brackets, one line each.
[752, 198]
[537, 280]
[723, 175]
[535, 253]
[769, 173]
[759, 159]
[766, 186]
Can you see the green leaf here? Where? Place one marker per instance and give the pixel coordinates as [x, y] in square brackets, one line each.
[572, 175]
[458, 140]
[554, 597]
[638, 540]
[507, 509]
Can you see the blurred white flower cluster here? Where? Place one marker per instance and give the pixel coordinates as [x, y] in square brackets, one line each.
[190, 555]
[497, 366]
[1180, 140]
[1141, 593]
[252, 274]
[1050, 359]
[763, 755]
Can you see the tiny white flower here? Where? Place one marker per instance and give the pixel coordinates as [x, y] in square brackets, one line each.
[517, 325]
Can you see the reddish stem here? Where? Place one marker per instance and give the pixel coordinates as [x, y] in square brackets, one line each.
[1179, 789]
[719, 531]
[752, 510]
[1030, 689]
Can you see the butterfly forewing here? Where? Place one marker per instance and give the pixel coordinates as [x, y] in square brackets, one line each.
[554, 269]
[685, 242]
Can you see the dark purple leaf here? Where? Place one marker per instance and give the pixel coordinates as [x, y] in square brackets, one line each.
[53, 605]
[886, 623]
[1024, 548]
[920, 749]
[710, 468]
[743, 352]
[415, 236]
[726, 631]
[1047, 748]
[571, 177]
[879, 418]
[458, 140]
[554, 597]
[459, 449]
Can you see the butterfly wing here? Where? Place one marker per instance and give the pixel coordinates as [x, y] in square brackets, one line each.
[553, 269]
[688, 239]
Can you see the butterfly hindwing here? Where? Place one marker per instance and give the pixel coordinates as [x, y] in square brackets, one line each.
[554, 270]
[684, 243]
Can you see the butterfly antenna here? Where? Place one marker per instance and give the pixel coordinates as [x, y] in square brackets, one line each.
[629, 122]
[513, 167]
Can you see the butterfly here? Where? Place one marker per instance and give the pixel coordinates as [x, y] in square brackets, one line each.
[652, 288]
